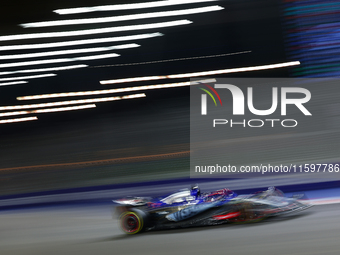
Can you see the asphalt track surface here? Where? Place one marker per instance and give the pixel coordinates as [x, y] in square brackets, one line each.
[91, 230]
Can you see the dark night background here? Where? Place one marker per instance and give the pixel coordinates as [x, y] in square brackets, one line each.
[145, 126]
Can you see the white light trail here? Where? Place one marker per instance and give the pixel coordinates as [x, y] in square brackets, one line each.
[205, 73]
[28, 77]
[97, 57]
[61, 109]
[82, 101]
[135, 79]
[65, 52]
[123, 17]
[235, 70]
[112, 91]
[128, 6]
[59, 60]
[18, 120]
[79, 42]
[61, 68]
[13, 83]
[95, 31]
[174, 59]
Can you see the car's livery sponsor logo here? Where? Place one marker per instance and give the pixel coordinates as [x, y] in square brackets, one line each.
[190, 211]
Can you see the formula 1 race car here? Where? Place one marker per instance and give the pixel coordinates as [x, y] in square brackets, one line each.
[188, 207]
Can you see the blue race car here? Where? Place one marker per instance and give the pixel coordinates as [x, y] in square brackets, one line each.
[190, 207]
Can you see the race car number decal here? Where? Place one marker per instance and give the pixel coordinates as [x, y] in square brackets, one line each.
[190, 211]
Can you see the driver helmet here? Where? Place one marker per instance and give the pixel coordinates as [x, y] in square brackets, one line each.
[195, 191]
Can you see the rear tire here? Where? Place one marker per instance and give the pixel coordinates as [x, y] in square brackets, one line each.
[132, 221]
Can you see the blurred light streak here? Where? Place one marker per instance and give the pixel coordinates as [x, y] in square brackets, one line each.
[44, 69]
[129, 6]
[13, 83]
[313, 35]
[95, 31]
[28, 77]
[79, 42]
[112, 91]
[59, 60]
[205, 73]
[61, 109]
[175, 59]
[18, 120]
[82, 101]
[97, 57]
[65, 52]
[146, 78]
[123, 17]
[114, 160]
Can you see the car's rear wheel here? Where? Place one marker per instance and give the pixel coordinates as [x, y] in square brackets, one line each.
[131, 222]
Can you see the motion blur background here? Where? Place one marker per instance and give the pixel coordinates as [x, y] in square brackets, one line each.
[123, 143]
[242, 34]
